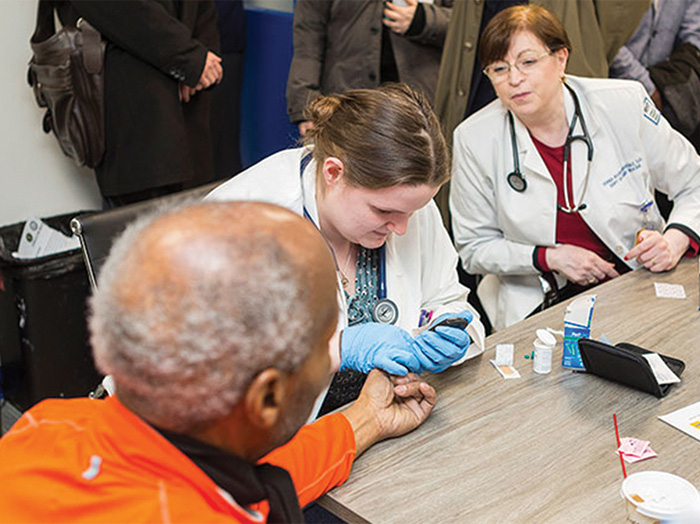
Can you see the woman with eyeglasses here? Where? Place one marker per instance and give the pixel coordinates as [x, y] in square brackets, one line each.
[553, 182]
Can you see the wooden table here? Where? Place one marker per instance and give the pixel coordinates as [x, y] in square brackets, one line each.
[540, 448]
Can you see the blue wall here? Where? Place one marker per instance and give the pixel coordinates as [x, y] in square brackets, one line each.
[265, 127]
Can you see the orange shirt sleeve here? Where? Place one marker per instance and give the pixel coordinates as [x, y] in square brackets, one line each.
[318, 458]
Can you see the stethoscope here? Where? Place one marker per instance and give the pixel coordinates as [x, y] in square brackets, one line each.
[517, 181]
[385, 310]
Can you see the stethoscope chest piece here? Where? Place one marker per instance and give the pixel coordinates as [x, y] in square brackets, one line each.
[385, 311]
[517, 181]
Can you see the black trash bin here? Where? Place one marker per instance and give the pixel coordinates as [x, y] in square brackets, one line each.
[44, 347]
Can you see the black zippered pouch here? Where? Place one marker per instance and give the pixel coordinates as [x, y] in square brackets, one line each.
[623, 363]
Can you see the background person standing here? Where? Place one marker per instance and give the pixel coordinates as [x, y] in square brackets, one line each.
[161, 57]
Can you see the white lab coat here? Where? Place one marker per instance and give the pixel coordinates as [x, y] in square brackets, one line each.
[497, 229]
[420, 265]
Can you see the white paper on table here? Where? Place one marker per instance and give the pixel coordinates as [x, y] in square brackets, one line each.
[686, 419]
[660, 369]
[669, 290]
[38, 239]
[504, 354]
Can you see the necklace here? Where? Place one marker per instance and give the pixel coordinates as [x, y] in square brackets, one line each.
[343, 279]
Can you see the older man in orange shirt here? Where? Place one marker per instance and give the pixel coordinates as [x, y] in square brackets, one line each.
[214, 321]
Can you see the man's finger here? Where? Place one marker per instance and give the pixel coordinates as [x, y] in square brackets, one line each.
[410, 390]
[429, 393]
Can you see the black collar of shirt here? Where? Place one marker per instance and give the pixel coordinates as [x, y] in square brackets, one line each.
[247, 483]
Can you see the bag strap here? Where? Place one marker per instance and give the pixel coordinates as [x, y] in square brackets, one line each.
[45, 27]
[92, 45]
[93, 52]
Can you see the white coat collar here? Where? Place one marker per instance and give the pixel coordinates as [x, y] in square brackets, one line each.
[590, 119]
[308, 188]
[530, 158]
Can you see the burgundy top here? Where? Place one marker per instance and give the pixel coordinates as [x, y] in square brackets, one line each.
[571, 228]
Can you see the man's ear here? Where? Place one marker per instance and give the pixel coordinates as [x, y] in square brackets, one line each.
[333, 170]
[263, 399]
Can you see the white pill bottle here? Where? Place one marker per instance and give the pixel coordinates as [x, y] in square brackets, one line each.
[544, 347]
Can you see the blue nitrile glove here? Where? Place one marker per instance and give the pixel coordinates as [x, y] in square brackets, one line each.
[437, 350]
[367, 346]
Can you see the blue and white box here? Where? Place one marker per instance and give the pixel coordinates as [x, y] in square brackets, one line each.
[577, 325]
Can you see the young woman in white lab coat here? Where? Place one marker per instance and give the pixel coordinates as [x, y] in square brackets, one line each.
[366, 178]
[518, 218]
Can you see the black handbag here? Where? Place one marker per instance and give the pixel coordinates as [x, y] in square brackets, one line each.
[624, 364]
[67, 76]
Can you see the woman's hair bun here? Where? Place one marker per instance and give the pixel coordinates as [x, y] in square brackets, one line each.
[322, 109]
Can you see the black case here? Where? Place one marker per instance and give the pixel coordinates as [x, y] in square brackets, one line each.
[624, 364]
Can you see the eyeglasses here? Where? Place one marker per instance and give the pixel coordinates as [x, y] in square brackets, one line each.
[526, 64]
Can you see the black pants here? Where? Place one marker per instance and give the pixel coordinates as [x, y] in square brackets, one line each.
[226, 117]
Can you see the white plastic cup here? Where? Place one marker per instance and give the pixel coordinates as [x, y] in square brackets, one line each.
[655, 496]
[544, 346]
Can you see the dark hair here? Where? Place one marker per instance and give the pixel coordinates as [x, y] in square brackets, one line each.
[495, 40]
[385, 137]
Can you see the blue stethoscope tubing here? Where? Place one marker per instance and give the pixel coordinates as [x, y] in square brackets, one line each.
[517, 181]
[385, 305]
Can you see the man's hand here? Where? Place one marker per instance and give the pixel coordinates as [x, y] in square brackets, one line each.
[185, 92]
[212, 73]
[398, 18]
[658, 252]
[656, 98]
[389, 406]
[579, 265]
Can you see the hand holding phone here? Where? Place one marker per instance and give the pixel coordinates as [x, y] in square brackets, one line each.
[456, 322]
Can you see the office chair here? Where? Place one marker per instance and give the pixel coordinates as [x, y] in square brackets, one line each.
[97, 231]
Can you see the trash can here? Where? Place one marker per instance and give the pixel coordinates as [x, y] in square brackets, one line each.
[44, 347]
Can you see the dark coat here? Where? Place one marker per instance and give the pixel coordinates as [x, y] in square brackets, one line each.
[678, 79]
[338, 45]
[152, 139]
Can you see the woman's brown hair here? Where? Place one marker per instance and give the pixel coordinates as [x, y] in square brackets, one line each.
[385, 137]
[495, 40]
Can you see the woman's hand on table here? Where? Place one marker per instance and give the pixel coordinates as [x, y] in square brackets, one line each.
[658, 252]
[579, 265]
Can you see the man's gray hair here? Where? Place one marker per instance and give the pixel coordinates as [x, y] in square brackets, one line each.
[185, 353]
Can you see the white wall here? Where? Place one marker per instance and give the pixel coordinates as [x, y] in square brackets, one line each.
[35, 177]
